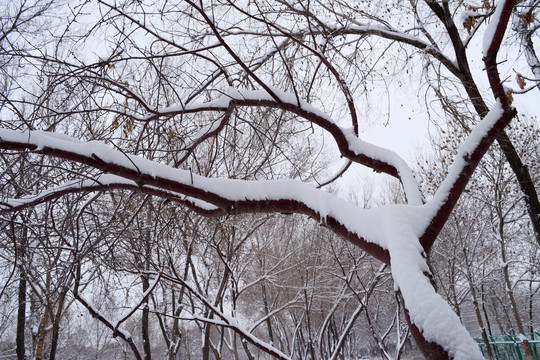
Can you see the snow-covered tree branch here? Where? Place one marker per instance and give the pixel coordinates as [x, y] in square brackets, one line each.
[242, 108]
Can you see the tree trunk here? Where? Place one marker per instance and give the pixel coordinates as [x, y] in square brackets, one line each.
[525, 344]
[21, 317]
[41, 336]
[54, 339]
[147, 348]
[484, 310]
[266, 312]
[21, 310]
[475, 303]
[56, 324]
[206, 343]
[145, 323]
[482, 328]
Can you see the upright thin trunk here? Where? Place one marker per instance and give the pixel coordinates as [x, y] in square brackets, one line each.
[21, 310]
[54, 339]
[266, 312]
[38, 355]
[515, 311]
[482, 327]
[206, 342]
[484, 310]
[21, 317]
[531, 297]
[146, 286]
[56, 324]
[453, 292]
[145, 322]
[475, 303]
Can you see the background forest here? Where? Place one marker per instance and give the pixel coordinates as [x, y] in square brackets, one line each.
[93, 266]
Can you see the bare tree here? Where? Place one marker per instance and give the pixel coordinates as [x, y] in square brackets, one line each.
[219, 107]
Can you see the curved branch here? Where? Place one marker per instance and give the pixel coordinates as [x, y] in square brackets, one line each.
[106, 183]
[230, 196]
[338, 174]
[342, 84]
[380, 31]
[144, 297]
[124, 335]
[350, 146]
[206, 133]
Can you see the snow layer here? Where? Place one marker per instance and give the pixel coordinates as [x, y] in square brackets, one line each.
[358, 146]
[464, 151]
[427, 309]
[492, 27]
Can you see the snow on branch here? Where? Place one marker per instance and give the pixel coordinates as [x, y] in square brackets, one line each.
[349, 144]
[427, 310]
[389, 233]
[483, 135]
[491, 43]
[231, 196]
[491, 40]
[399, 235]
[468, 157]
[105, 182]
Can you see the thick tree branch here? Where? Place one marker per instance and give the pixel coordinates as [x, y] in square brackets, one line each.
[285, 196]
[350, 146]
[472, 158]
